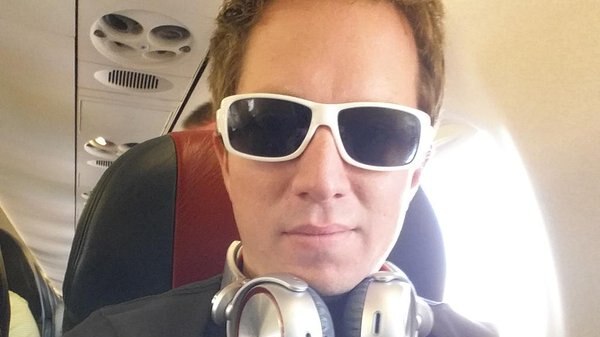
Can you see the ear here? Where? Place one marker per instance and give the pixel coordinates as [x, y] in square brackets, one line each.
[415, 182]
[223, 158]
[416, 178]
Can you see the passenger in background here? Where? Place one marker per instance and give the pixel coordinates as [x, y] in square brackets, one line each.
[22, 323]
[201, 118]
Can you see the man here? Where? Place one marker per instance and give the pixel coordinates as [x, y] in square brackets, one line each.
[317, 207]
[319, 189]
[200, 118]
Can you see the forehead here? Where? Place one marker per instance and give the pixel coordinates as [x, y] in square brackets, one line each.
[332, 51]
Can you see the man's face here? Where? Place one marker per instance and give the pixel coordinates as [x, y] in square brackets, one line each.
[316, 216]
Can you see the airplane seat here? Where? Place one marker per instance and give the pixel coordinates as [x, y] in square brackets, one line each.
[138, 234]
[160, 217]
[25, 278]
[4, 300]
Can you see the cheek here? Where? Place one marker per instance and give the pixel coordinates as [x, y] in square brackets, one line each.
[253, 189]
[388, 194]
[243, 186]
[251, 178]
[386, 199]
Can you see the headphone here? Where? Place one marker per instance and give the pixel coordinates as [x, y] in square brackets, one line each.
[384, 304]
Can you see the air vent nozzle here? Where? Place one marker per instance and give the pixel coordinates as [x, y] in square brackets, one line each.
[140, 39]
[132, 80]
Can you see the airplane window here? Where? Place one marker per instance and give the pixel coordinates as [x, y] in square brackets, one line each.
[499, 263]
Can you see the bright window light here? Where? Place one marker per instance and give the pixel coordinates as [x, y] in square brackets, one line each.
[499, 263]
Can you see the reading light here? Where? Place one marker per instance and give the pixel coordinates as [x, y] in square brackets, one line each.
[102, 148]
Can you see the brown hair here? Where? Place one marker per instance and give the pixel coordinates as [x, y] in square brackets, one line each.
[237, 17]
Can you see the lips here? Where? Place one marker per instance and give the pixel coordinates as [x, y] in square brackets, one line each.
[312, 230]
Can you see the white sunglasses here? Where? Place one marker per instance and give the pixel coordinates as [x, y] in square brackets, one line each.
[370, 135]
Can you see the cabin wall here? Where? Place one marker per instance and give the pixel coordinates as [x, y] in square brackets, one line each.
[535, 66]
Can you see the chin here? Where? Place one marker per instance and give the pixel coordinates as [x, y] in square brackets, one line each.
[329, 284]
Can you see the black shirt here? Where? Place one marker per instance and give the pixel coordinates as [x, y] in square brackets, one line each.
[186, 312]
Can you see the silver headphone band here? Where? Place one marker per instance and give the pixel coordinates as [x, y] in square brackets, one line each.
[233, 260]
[235, 286]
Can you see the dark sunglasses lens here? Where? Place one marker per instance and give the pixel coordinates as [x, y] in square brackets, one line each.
[380, 136]
[267, 127]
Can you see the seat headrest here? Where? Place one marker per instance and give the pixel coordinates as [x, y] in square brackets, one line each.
[160, 217]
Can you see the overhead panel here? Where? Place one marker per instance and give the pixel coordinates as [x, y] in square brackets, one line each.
[136, 65]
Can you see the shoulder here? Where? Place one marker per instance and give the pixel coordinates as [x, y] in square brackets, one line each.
[181, 312]
[22, 322]
[16, 301]
[448, 323]
[178, 297]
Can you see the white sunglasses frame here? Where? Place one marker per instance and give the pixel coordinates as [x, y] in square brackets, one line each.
[326, 115]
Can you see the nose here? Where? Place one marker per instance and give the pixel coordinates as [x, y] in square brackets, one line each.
[321, 174]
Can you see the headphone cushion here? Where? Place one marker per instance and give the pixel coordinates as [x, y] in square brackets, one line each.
[351, 324]
[323, 311]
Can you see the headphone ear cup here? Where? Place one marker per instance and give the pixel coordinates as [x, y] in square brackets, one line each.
[381, 305]
[221, 300]
[353, 313]
[267, 306]
[324, 314]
